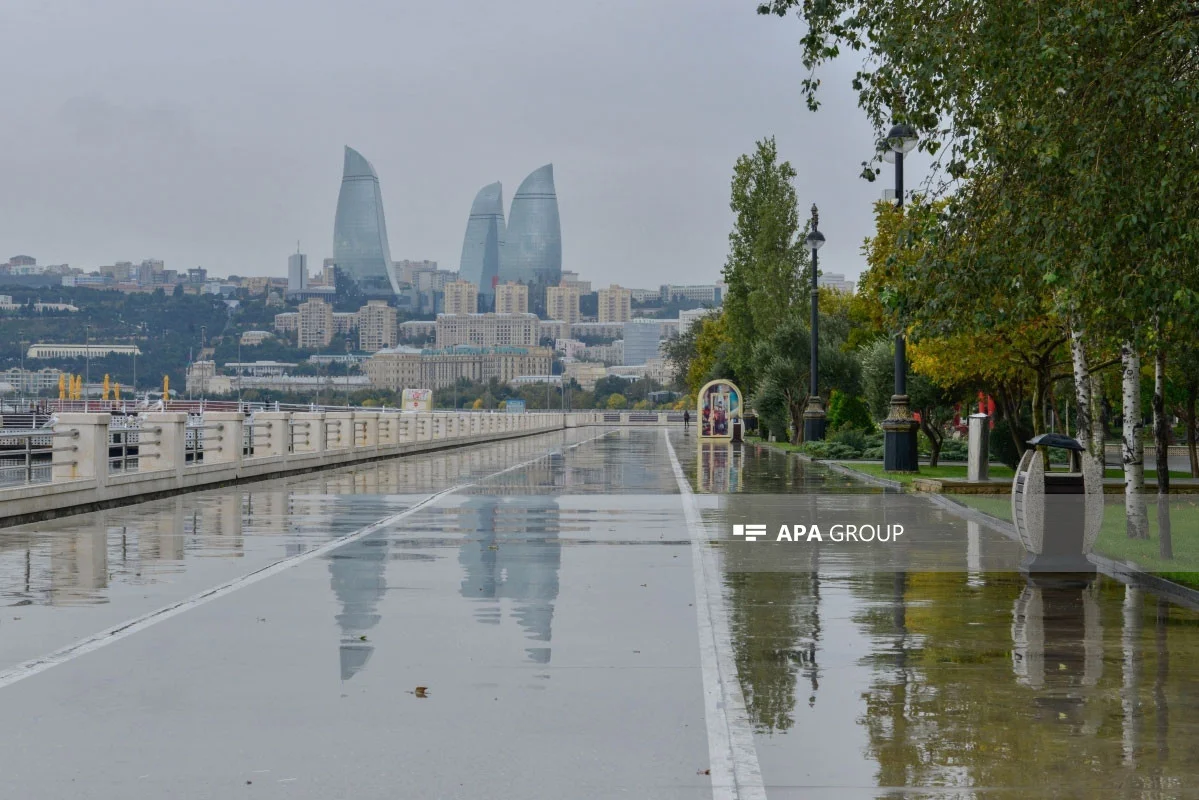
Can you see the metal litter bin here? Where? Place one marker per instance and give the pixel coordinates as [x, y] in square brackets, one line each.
[1055, 517]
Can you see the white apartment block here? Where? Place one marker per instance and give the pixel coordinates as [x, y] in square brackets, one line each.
[562, 303]
[615, 304]
[315, 325]
[488, 330]
[377, 326]
[461, 297]
[511, 298]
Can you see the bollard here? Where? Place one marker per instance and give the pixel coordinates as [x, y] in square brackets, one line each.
[978, 460]
[80, 447]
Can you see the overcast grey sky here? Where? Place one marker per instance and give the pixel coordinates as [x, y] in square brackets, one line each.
[210, 133]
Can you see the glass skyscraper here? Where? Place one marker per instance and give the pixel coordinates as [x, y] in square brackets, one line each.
[532, 251]
[360, 247]
[484, 240]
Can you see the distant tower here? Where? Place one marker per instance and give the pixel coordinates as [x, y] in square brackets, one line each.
[484, 239]
[360, 247]
[297, 271]
[532, 251]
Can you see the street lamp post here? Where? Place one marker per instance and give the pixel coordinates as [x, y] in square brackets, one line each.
[899, 428]
[813, 416]
[87, 368]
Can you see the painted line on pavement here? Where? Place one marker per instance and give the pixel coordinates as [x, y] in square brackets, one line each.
[116, 633]
[734, 767]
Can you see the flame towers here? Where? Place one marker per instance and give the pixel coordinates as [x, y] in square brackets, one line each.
[532, 251]
[360, 247]
[484, 240]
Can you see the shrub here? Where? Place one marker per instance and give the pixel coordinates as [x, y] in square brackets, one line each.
[955, 450]
[848, 411]
[850, 437]
[876, 453]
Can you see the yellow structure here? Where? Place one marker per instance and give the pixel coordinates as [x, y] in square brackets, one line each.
[62, 386]
[166, 387]
[107, 388]
[116, 391]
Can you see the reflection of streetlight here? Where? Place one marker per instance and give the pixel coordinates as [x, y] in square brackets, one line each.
[899, 429]
[813, 415]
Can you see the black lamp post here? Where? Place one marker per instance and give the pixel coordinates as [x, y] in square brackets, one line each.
[899, 428]
[813, 415]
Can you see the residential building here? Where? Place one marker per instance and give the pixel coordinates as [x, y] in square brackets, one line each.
[615, 304]
[418, 330]
[512, 298]
[597, 330]
[377, 327]
[406, 269]
[586, 373]
[483, 242]
[644, 295]
[488, 330]
[412, 368]
[461, 297]
[836, 280]
[297, 272]
[604, 353]
[360, 246]
[572, 279]
[253, 338]
[690, 317]
[287, 322]
[642, 338]
[562, 303]
[7, 305]
[315, 325]
[31, 381]
[554, 329]
[708, 294]
[81, 350]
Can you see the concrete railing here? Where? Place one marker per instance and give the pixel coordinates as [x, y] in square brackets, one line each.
[173, 451]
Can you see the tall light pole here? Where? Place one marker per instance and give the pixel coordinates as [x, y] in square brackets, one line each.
[899, 428]
[813, 416]
[87, 368]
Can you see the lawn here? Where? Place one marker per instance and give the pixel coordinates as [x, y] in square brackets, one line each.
[958, 471]
[1113, 539]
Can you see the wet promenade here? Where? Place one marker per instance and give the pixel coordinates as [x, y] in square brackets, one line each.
[557, 617]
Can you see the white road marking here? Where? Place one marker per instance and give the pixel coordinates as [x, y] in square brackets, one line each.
[28, 669]
[734, 767]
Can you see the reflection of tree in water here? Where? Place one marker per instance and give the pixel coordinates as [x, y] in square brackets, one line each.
[357, 574]
[512, 551]
[1002, 685]
[774, 621]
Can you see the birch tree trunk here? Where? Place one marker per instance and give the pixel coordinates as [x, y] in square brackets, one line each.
[1161, 442]
[1086, 395]
[1133, 449]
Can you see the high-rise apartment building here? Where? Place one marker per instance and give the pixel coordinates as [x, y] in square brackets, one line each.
[533, 242]
[562, 303]
[707, 293]
[297, 272]
[488, 330]
[314, 325]
[512, 298]
[461, 297]
[377, 326]
[572, 279]
[615, 304]
[360, 245]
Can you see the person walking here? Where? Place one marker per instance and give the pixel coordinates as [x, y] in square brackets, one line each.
[686, 420]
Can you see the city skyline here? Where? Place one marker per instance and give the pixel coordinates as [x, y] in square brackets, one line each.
[203, 161]
[360, 245]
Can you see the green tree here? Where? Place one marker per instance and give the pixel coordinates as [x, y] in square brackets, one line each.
[765, 257]
[617, 401]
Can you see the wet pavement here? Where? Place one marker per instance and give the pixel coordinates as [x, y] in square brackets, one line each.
[534, 634]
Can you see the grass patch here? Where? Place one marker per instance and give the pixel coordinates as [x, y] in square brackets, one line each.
[940, 471]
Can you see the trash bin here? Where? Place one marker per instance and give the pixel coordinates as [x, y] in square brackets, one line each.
[1056, 519]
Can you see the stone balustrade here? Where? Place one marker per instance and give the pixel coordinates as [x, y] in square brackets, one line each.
[176, 452]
